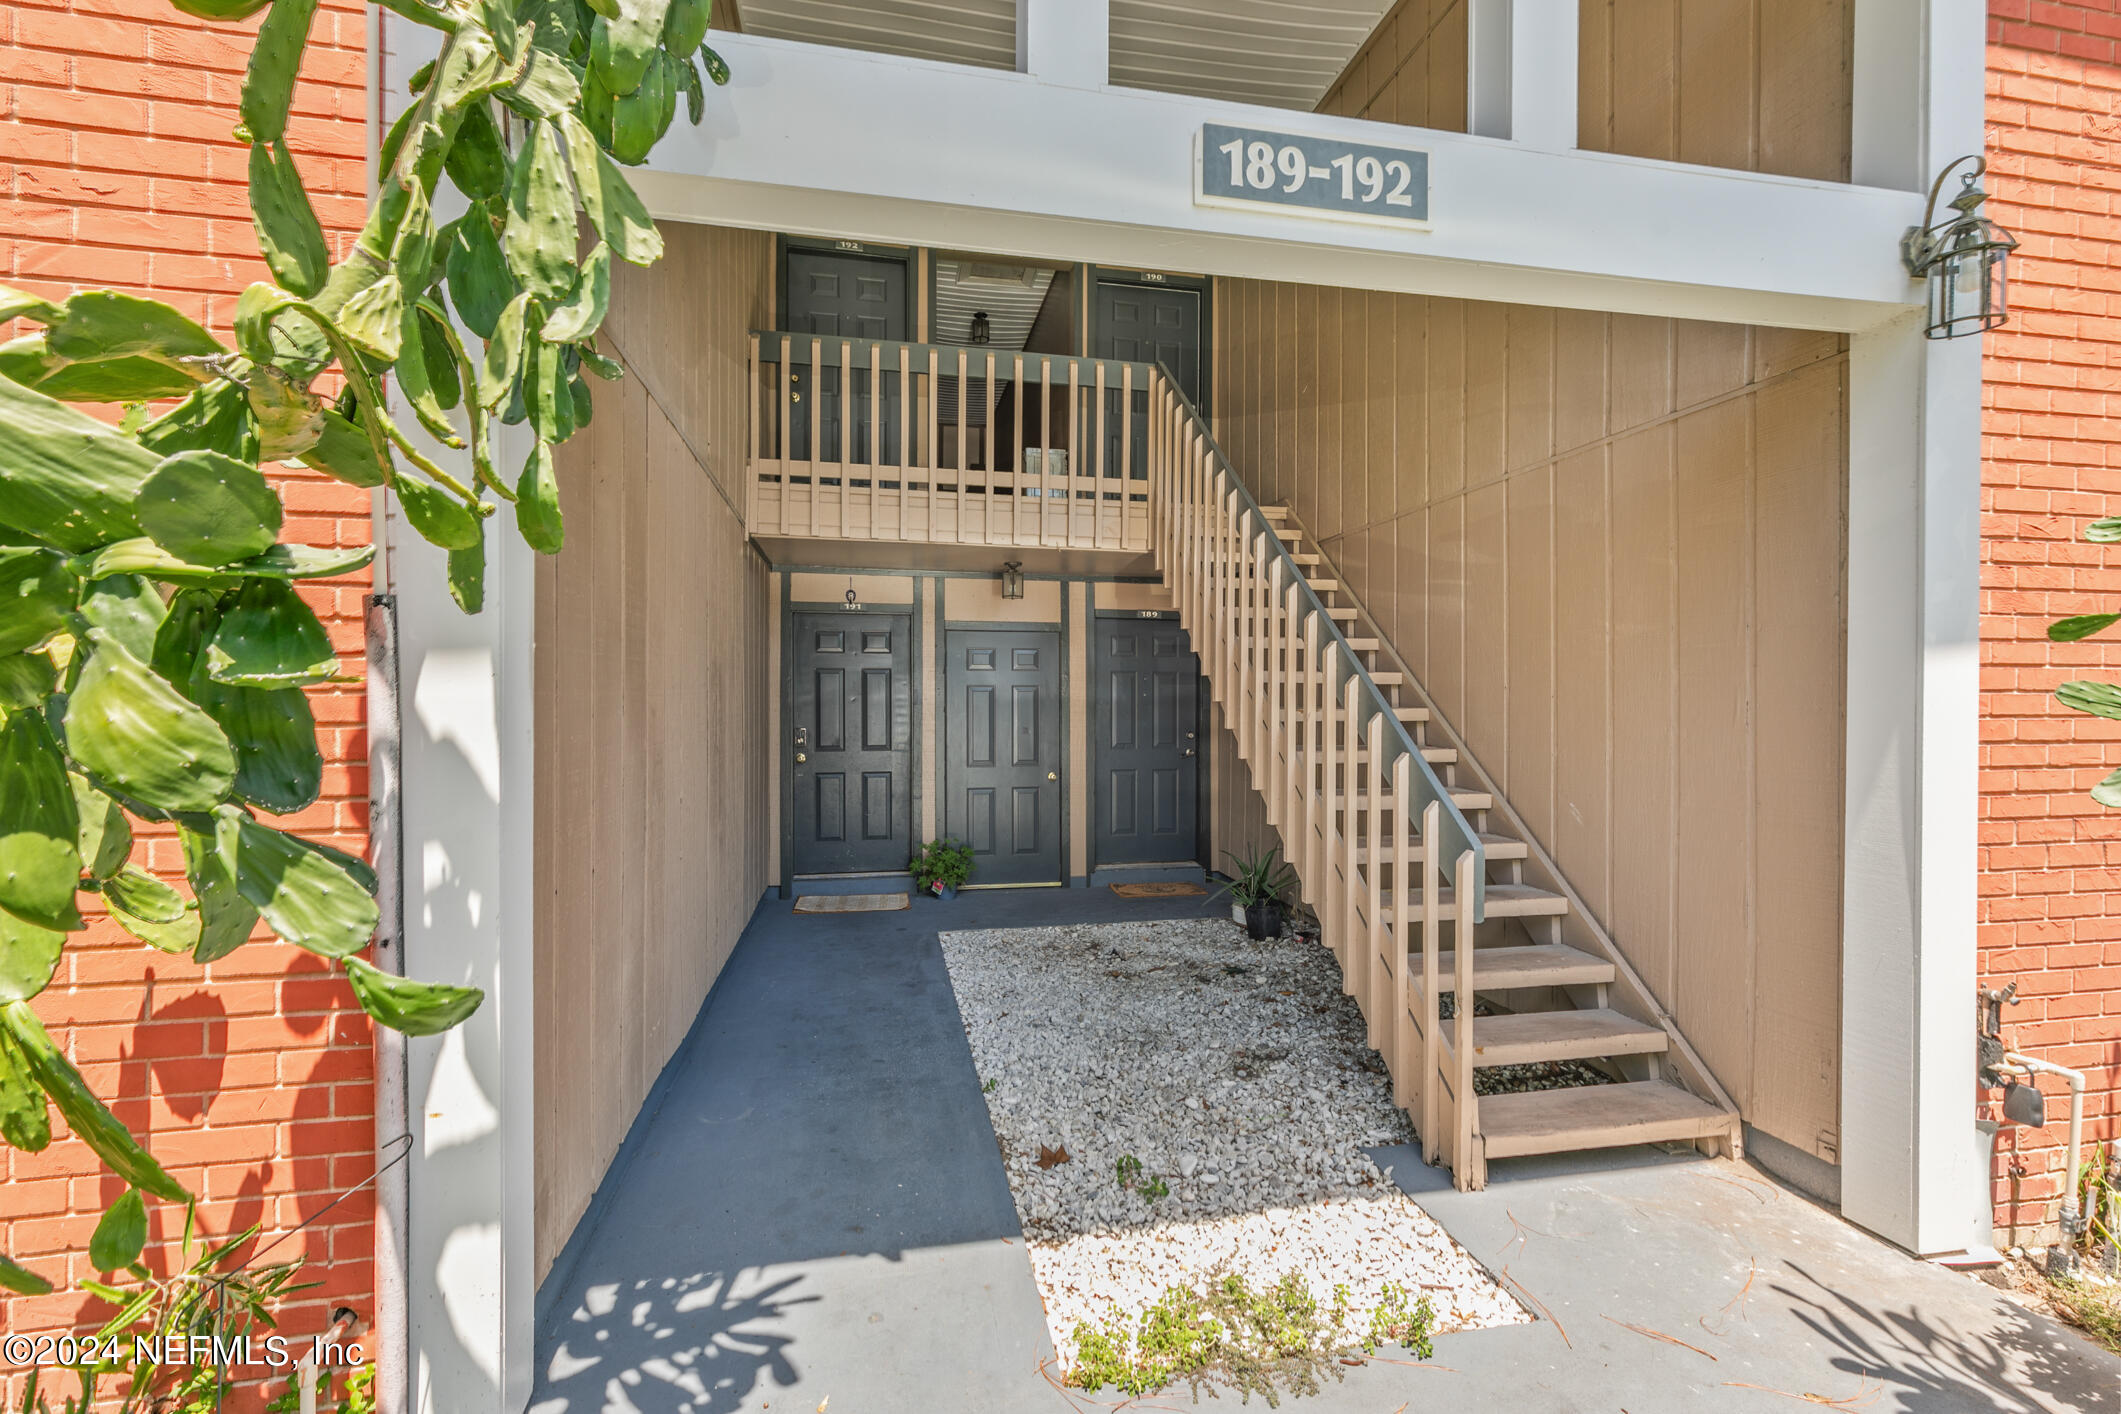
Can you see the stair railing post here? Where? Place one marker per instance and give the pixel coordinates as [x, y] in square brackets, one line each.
[1431, 1066]
[1374, 992]
[1308, 733]
[1466, 1166]
[1404, 1080]
[1293, 806]
[1276, 738]
[1353, 938]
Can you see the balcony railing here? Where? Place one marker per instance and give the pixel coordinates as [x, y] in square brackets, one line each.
[859, 439]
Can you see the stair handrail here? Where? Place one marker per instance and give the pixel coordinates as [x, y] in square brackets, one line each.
[1428, 787]
[799, 342]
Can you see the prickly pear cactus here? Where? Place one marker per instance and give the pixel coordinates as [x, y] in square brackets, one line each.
[154, 645]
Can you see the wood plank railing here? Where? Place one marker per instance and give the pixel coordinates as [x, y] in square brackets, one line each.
[1343, 781]
[861, 439]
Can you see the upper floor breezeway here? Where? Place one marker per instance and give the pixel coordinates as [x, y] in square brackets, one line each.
[1734, 160]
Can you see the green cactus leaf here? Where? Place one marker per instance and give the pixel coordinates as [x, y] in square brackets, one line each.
[550, 85]
[84, 1113]
[214, 417]
[440, 360]
[538, 504]
[209, 509]
[151, 910]
[105, 839]
[257, 322]
[596, 116]
[26, 679]
[685, 25]
[187, 627]
[584, 407]
[439, 517]
[288, 419]
[130, 379]
[40, 860]
[695, 94]
[502, 367]
[120, 1234]
[479, 283]
[412, 244]
[226, 920]
[467, 576]
[539, 240]
[413, 382]
[608, 369]
[344, 452]
[25, 1120]
[268, 637]
[100, 324]
[610, 203]
[288, 233]
[144, 556]
[2101, 699]
[127, 609]
[717, 66]
[477, 162]
[275, 58]
[373, 319]
[221, 9]
[278, 767]
[622, 46]
[21, 304]
[362, 871]
[584, 310]
[550, 405]
[13, 1276]
[29, 955]
[138, 734]
[303, 895]
[37, 588]
[639, 118]
[66, 479]
[408, 1007]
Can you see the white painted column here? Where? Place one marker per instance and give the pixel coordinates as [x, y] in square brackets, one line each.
[1909, 1169]
[466, 739]
[1065, 41]
[1521, 58]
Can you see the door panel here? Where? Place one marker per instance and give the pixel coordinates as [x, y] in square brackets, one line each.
[1145, 324]
[847, 296]
[851, 714]
[1144, 716]
[1002, 790]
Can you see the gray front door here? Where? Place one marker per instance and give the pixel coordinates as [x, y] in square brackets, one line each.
[1003, 792]
[843, 296]
[1144, 719]
[851, 724]
[1145, 324]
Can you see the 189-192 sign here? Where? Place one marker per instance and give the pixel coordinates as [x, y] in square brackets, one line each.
[1310, 176]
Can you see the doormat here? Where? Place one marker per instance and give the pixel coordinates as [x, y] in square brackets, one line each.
[850, 903]
[1167, 889]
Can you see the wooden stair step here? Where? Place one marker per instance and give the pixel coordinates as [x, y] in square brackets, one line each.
[1498, 847]
[1537, 965]
[1504, 901]
[1411, 714]
[1322, 586]
[1365, 645]
[1343, 613]
[1275, 512]
[1464, 797]
[1528, 1037]
[1596, 1117]
[1434, 755]
[1307, 560]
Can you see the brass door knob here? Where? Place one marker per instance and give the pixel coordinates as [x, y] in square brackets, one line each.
[1052, 775]
[801, 757]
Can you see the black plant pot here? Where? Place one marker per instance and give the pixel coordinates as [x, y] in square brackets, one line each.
[1263, 921]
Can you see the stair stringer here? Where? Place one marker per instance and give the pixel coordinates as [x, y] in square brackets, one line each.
[1630, 993]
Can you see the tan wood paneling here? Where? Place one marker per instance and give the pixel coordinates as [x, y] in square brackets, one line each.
[1410, 71]
[1758, 85]
[652, 661]
[1611, 547]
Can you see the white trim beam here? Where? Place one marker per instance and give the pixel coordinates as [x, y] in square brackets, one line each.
[1067, 42]
[810, 139]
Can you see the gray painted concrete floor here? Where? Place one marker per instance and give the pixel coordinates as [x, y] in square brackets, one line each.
[811, 1207]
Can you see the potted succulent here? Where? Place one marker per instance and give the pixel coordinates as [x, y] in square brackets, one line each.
[941, 867]
[1257, 888]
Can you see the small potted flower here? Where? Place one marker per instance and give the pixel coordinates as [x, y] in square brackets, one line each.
[942, 867]
[1257, 888]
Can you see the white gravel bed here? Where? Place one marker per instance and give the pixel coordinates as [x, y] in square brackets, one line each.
[1237, 1073]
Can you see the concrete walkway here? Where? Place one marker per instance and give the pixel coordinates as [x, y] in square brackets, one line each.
[811, 1207]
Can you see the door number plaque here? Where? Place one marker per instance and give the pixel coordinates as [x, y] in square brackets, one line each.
[1310, 176]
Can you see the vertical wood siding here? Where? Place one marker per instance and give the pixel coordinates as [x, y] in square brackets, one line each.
[1612, 550]
[652, 679]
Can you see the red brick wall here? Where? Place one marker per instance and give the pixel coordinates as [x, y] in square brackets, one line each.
[2050, 857]
[251, 1078]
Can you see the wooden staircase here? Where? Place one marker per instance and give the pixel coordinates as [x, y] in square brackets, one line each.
[1391, 828]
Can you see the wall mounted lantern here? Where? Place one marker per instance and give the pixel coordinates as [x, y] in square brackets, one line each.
[982, 327]
[1965, 260]
[1013, 580]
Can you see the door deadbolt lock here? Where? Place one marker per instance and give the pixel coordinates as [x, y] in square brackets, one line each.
[801, 757]
[1189, 751]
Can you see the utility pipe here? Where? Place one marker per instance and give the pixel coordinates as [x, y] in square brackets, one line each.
[2072, 1217]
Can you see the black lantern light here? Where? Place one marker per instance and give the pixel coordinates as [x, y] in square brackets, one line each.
[1013, 580]
[982, 329]
[1965, 260]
